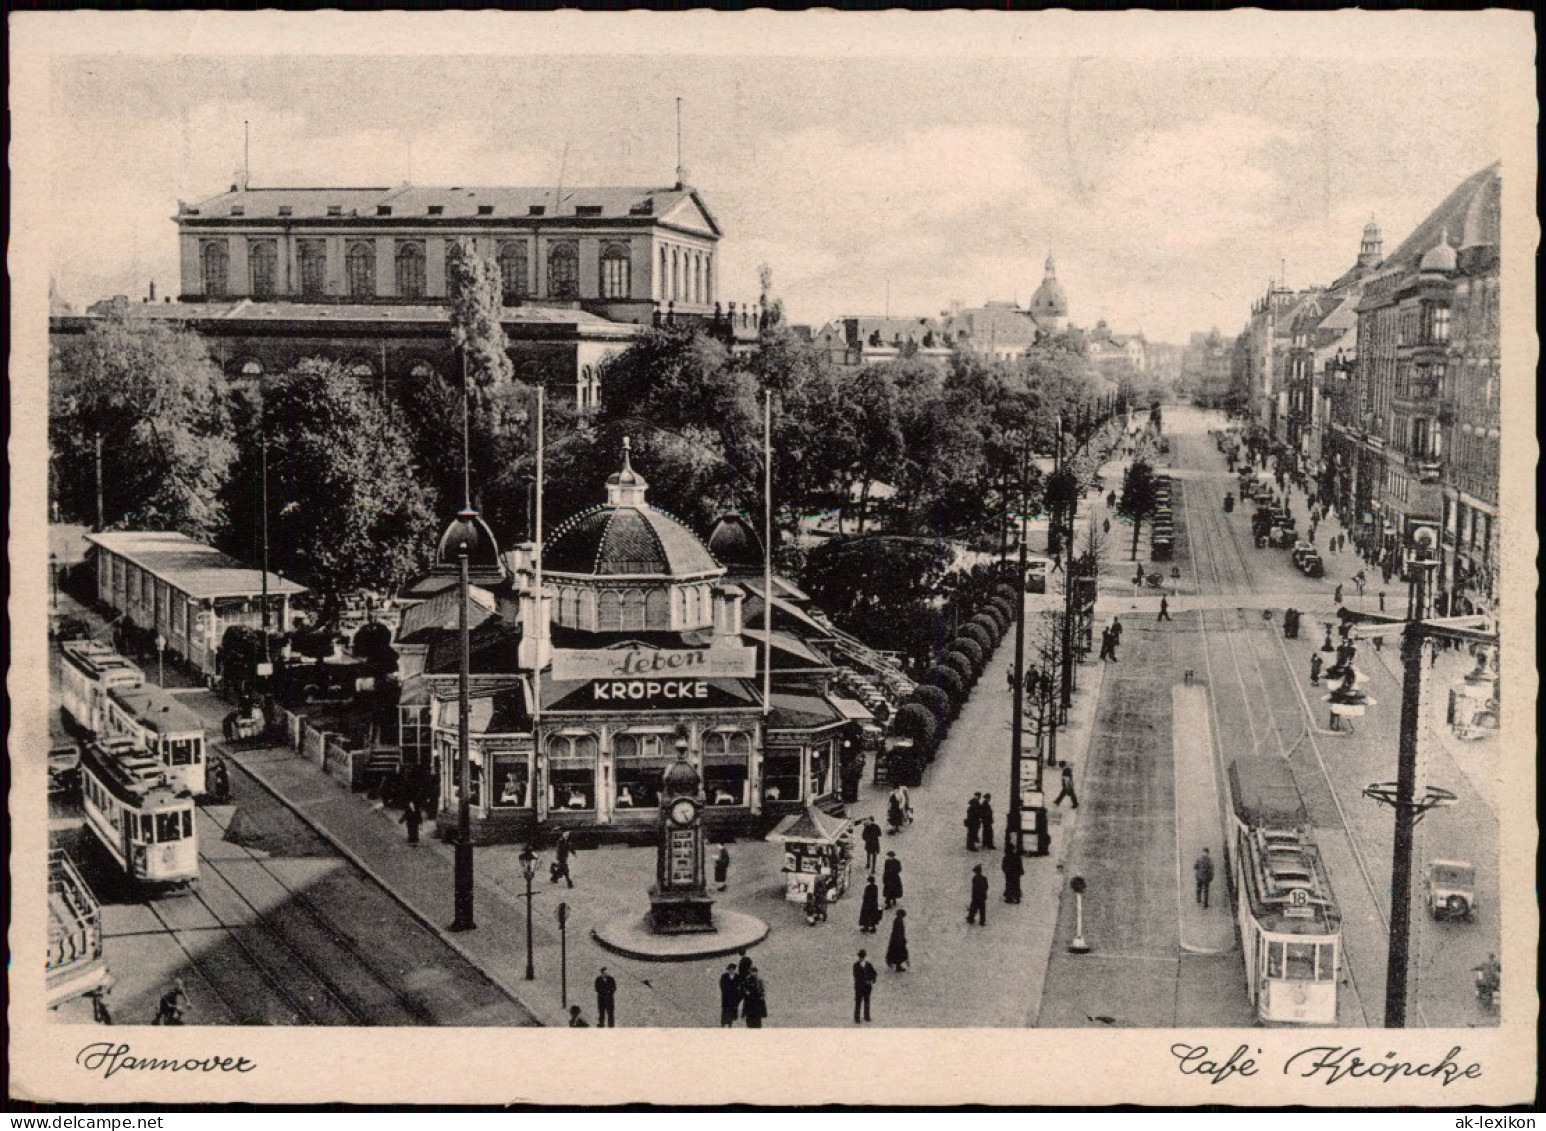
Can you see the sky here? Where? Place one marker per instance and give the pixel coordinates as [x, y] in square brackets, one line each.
[1169, 189]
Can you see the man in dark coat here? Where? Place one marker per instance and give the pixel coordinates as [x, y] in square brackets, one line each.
[871, 843]
[1164, 613]
[977, 910]
[864, 983]
[896, 950]
[729, 996]
[891, 880]
[985, 821]
[973, 821]
[411, 818]
[869, 908]
[1105, 644]
[563, 850]
[606, 1000]
[722, 867]
[1203, 870]
[1014, 868]
[1068, 788]
[755, 995]
[1116, 635]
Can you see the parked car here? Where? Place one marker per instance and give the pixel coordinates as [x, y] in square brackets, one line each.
[1451, 889]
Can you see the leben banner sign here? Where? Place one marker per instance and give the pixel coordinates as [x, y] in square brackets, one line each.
[678, 665]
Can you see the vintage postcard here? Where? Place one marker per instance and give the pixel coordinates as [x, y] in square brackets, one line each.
[993, 549]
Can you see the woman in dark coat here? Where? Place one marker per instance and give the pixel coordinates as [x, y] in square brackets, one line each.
[755, 996]
[869, 909]
[891, 879]
[1014, 868]
[896, 949]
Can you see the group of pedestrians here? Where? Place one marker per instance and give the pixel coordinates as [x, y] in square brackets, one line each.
[743, 995]
[979, 822]
[1111, 639]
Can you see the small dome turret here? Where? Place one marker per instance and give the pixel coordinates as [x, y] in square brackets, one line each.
[736, 544]
[1440, 258]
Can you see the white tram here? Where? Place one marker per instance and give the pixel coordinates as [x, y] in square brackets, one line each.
[1290, 927]
[155, 721]
[88, 672]
[76, 963]
[146, 823]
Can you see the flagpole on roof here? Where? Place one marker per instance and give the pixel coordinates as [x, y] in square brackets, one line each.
[767, 553]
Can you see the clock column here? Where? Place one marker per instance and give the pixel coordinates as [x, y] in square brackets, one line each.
[679, 901]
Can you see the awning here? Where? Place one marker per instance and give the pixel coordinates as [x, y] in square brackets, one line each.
[812, 827]
[851, 709]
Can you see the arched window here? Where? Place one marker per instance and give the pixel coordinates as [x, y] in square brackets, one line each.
[564, 271]
[252, 367]
[410, 269]
[263, 267]
[360, 265]
[657, 611]
[665, 276]
[569, 606]
[609, 615]
[216, 262]
[514, 271]
[633, 611]
[362, 369]
[616, 268]
[690, 607]
[588, 610]
[313, 262]
[421, 371]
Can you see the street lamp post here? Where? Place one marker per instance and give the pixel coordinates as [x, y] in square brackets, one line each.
[528, 860]
[160, 659]
[460, 540]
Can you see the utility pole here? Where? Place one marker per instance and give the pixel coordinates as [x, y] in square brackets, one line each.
[100, 524]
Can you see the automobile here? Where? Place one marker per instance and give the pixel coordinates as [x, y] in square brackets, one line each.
[70, 628]
[1312, 566]
[1451, 889]
[1280, 536]
[64, 767]
[1160, 549]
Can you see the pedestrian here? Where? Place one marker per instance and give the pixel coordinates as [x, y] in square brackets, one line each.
[1164, 613]
[864, 984]
[1337, 596]
[1105, 526]
[985, 822]
[891, 880]
[1359, 580]
[1382, 600]
[871, 836]
[729, 996]
[977, 909]
[973, 821]
[411, 818]
[1315, 669]
[722, 867]
[606, 1000]
[1105, 644]
[1068, 788]
[1379, 643]
[173, 1006]
[575, 1020]
[870, 913]
[99, 1010]
[896, 949]
[1111, 498]
[1013, 868]
[1203, 871]
[560, 870]
[1116, 633]
[754, 995]
[898, 808]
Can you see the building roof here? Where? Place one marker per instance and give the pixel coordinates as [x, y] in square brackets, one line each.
[734, 542]
[191, 567]
[486, 203]
[1471, 216]
[811, 825]
[493, 649]
[1050, 300]
[428, 618]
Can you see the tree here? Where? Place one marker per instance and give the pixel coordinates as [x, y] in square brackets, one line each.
[156, 402]
[347, 507]
[1139, 497]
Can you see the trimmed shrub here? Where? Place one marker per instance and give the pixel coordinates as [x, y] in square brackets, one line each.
[915, 721]
[980, 634]
[963, 665]
[992, 618]
[973, 651]
[1003, 592]
[935, 700]
[948, 680]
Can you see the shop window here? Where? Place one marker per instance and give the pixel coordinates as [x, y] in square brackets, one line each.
[514, 272]
[413, 724]
[564, 271]
[639, 760]
[263, 267]
[820, 778]
[609, 614]
[215, 261]
[360, 268]
[633, 611]
[781, 776]
[657, 610]
[313, 263]
[572, 772]
[512, 782]
[726, 755]
[616, 267]
[410, 270]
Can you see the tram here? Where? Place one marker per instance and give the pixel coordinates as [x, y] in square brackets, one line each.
[146, 825]
[88, 672]
[167, 730]
[1290, 926]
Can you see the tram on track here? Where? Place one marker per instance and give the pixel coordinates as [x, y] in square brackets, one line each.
[157, 723]
[1290, 926]
[146, 823]
[89, 671]
[76, 963]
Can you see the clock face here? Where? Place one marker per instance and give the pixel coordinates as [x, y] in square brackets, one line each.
[683, 811]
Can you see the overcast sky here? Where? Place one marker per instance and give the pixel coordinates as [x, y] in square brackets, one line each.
[1170, 190]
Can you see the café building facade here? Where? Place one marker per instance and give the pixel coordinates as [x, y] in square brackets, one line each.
[640, 652]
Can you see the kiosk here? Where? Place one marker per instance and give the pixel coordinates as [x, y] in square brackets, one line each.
[817, 845]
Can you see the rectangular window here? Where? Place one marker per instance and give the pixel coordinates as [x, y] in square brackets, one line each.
[169, 827]
[1274, 960]
[1301, 961]
[512, 782]
[640, 761]
[781, 776]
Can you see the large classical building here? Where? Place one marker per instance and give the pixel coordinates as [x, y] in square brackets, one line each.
[271, 276]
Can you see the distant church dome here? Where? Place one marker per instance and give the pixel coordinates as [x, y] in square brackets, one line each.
[625, 536]
[1049, 305]
[736, 544]
[1440, 258]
